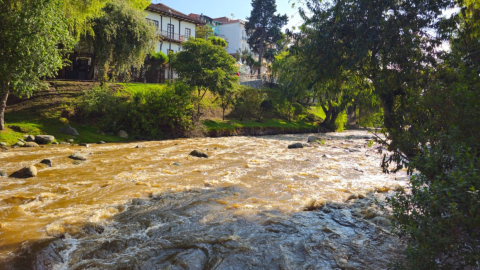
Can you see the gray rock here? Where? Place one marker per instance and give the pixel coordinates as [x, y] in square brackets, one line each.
[77, 156]
[19, 143]
[30, 144]
[3, 174]
[64, 143]
[295, 146]
[29, 138]
[84, 144]
[101, 142]
[78, 162]
[3, 144]
[22, 140]
[26, 172]
[44, 139]
[327, 156]
[312, 139]
[138, 146]
[177, 164]
[70, 140]
[123, 134]
[199, 154]
[69, 131]
[55, 143]
[48, 162]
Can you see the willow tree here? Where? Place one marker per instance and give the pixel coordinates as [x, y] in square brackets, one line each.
[34, 38]
[264, 27]
[122, 39]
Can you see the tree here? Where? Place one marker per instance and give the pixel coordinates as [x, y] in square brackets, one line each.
[34, 40]
[204, 32]
[263, 26]
[204, 66]
[218, 41]
[156, 63]
[122, 39]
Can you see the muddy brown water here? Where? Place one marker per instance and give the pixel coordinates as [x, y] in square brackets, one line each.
[156, 207]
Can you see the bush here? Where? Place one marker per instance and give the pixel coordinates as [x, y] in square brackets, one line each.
[148, 112]
[248, 102]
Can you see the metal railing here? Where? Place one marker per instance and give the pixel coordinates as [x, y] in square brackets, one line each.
[174, 36]
[249, 78]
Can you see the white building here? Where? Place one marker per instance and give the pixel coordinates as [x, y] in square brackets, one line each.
[234, 33]
[172, 25]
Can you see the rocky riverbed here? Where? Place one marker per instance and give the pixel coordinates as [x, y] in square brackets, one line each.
[249, 203]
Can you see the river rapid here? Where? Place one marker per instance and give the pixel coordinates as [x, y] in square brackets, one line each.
[253, 204]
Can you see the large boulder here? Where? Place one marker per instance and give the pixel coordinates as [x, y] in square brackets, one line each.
[44, 139]
[295, 146]
[69, 131]
[47, 162]
[26, 172]
[29, 138]
[77, 156]
[199, 154]
[19, 143]
[30, 144]
[123, 134]
[3, 144]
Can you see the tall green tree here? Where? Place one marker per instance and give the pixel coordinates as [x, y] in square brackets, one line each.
[122, 39]
[204, 32]
[204, 66]
[264, 27]
[34, 38]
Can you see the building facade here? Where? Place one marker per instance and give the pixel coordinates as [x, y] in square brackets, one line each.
[173, 26]
[234, 33]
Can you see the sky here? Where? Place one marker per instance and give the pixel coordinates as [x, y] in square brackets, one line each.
[221, 8]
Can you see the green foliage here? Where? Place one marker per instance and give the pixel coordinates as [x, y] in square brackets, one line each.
[146, 111]
[30, 32]
[204, 32]
[204, 66]
[248, 102]
[264, 26]
[156, 63]
[218, 41]
[123, 38]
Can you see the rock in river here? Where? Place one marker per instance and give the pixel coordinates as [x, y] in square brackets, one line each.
[3, 174]
[26, 172]
[313, 139]
[30, 144]
[199, 154]
[69, 131]
[295, 145]
[29, 138]
[48, 162]
[44, 139]
[77, 156]
[3, 144]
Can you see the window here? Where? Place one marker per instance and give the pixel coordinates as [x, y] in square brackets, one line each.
[154, 22]
[170, 30]
[188, 32]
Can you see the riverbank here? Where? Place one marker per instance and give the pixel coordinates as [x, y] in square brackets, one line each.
[50, 109]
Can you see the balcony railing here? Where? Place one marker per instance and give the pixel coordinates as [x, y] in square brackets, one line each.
[173, 36]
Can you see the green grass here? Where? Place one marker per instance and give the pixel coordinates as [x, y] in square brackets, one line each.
[138, 87]
[267, 123]
[317, 111]
[35, 126]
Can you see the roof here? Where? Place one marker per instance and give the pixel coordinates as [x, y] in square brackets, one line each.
[165, 10]
[226, 20]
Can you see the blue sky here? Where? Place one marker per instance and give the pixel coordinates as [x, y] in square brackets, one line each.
[220, 8]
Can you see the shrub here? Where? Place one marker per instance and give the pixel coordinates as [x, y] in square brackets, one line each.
[149, 112]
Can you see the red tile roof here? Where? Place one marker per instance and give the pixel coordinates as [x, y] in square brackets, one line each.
[163, 9]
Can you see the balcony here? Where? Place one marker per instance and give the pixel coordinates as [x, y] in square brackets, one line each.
[174, 36]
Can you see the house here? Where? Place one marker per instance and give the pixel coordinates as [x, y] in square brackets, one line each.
[173, 26]
[234, 33]
[208, 21]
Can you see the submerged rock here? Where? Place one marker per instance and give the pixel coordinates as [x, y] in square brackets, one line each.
[69, 131]
[177, 164]
[313, 139]
[84, 144]
[295, 146]
[26, 172]
[3, 174]
[327, 156]
[77, 156]
[44, 139]
[199, 154]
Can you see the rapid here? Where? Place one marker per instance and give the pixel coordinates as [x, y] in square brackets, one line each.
[253, 204]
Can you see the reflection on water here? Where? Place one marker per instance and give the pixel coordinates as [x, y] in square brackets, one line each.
[242, 208]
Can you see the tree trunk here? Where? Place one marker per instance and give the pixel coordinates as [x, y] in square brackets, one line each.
[260, 51]
[3, 105]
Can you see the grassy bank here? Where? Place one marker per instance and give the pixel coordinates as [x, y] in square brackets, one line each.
[50, 109]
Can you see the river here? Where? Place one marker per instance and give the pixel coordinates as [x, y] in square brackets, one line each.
[253, 204]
